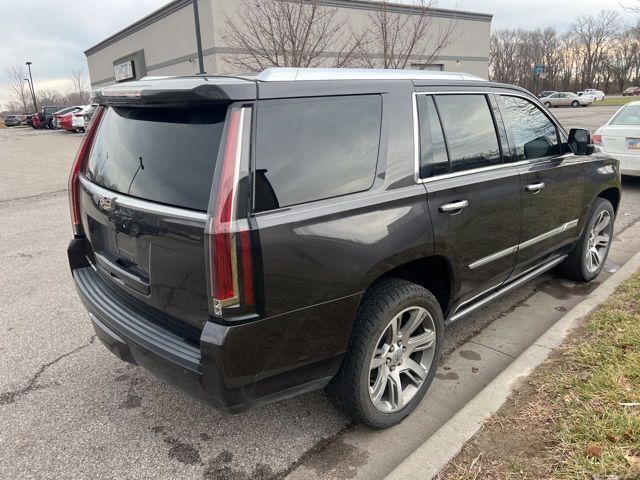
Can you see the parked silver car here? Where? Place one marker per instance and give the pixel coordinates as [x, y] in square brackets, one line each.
[566, 99]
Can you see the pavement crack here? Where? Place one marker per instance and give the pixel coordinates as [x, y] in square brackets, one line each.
[26, 198]
[492, 348]
[10, 397]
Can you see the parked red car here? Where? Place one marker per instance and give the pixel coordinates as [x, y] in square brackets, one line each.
[36, 121]
[631, 91]
[56, 115]
[66, 121]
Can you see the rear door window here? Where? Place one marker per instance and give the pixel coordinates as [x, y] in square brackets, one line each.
[163, 155]
[315, 148]
[534, 134]
[470, 131]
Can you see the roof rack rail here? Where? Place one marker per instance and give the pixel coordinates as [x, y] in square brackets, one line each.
[288, 74]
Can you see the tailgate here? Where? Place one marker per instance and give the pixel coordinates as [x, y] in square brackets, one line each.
[145, 193]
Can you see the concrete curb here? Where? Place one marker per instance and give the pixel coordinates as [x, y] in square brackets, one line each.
[434, 454]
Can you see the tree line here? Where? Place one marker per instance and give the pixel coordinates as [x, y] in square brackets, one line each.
[596, 51]
[20, 100]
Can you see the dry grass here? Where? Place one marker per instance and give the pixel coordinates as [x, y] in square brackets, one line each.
[578, 415]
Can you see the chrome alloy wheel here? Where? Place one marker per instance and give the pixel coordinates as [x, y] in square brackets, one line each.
[402, 359]
[599, 239]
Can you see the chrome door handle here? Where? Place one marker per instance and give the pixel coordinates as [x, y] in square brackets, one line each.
[454, 207]
[534, 187]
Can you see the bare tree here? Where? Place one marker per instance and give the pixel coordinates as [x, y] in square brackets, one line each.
[595, 36]
[286, 33]
[392, 38]
[78, 88]
[49, 97]
[18, 91]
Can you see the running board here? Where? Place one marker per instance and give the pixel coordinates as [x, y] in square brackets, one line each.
[498, 293]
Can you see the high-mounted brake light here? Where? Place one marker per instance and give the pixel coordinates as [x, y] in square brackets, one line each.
[231, 278]
[78, 164]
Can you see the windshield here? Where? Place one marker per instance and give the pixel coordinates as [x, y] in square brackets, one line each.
[159, 154]
[629, 115]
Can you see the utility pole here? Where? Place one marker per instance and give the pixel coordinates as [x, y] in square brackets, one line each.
[196, 17]
[33, 91]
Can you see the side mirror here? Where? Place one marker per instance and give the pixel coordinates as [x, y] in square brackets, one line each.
[580, 141]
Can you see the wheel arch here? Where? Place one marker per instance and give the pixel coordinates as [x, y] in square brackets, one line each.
[435, 273]
[613, 195]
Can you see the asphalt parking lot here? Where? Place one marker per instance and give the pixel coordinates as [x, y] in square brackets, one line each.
[70, 409]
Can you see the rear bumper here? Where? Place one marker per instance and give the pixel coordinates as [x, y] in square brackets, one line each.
[233, 368]
[629, 163]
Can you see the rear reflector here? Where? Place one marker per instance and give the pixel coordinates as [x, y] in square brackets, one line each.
[78, 164]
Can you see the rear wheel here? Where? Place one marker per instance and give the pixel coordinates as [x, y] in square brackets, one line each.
[393, 354]
[586, 260]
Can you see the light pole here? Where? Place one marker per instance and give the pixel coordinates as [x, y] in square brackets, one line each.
[30, 88]
[33, 92]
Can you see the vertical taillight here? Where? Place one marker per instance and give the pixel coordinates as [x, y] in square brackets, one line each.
[76, 168]
[231, 275]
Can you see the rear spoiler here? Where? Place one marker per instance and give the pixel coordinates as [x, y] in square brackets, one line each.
[177, 91]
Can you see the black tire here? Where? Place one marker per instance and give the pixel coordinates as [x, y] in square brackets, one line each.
[50, 124]
[547, 104]
[349, 389]
[575, 266]
[575, 104]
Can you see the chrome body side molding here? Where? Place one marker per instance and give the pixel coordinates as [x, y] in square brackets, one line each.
[532, 241]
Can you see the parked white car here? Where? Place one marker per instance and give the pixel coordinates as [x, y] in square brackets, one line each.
[620, 138]
[597, 95]
[80, 119]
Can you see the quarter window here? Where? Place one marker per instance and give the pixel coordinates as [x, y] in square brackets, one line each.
[469, 130]
[534, 135]
[314, 148]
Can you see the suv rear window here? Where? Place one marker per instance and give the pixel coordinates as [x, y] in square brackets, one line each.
[314, 148]
[158, 154]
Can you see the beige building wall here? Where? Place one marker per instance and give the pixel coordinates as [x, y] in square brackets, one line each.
[468, 51]
[163, 43]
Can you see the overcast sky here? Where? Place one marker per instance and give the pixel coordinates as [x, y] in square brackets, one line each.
[54, 33]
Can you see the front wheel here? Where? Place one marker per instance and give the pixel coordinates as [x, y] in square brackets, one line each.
[393, 354]
[575, 104]
[547, 104]
[586, 260]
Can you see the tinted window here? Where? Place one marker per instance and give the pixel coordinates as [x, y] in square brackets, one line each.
[470, 132]
[159, 154]
[534, 135]
[313, 148]
[433, 152]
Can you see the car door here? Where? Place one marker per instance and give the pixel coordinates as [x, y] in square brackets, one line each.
[551, 180]
[473, 196]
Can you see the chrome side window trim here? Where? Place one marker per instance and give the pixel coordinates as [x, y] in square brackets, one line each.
[416, 134]
[127, 201]
[532, 241]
